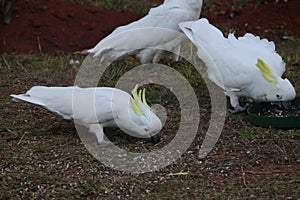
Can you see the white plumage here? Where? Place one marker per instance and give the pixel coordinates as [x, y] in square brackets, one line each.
[146, 37]
[248, 66]
[97, 108]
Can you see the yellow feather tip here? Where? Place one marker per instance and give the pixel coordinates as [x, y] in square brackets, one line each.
[138, 96]
[265, 70]
[134, 94]
[144, 99]
[135, 108]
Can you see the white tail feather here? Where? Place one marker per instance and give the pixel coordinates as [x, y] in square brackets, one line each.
[27, 98]
[202, 31]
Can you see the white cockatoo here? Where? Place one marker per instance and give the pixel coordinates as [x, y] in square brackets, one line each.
[244, 66]
[147, 37]
[96, 108]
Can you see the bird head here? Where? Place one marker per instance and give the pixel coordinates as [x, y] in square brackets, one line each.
[278, 89]
[141, 122]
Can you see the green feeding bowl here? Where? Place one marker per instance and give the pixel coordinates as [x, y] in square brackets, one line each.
[267, 115]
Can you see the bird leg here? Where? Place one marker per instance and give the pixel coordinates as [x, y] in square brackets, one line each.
[156, 58]
[97, 129]
[238, 109]
[176, 53]
[234, 101]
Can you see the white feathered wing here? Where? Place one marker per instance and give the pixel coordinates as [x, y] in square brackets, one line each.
[147, 37]
[94, 108]
[232, 63]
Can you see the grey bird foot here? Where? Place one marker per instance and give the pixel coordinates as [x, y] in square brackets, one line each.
[179, 62]
[238, 109]
[105, 143]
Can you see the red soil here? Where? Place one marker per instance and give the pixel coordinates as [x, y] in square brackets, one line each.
[59, 25]
[261, 19]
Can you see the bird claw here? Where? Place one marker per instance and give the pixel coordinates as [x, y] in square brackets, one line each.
[105, 143]
[238, 109]
[179, 62]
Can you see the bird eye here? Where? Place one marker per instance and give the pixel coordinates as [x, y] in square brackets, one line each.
[146, 129]
[278, 96]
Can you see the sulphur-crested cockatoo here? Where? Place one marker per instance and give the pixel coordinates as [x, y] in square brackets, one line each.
[147, 37]
[248, 66]
[97, 108]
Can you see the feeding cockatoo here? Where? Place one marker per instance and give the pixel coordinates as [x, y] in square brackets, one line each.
[146, 37]
[96, 108]
[248, 66]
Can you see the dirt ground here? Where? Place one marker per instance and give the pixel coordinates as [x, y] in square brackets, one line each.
[42, 26]
[42, 156]
[57, 25]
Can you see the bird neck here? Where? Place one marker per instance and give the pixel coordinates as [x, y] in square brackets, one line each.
[127, 120]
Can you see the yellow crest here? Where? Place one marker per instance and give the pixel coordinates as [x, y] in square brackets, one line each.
[265, 70]
[138, 97]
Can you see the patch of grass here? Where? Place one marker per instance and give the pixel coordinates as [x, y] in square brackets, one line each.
[42, 156]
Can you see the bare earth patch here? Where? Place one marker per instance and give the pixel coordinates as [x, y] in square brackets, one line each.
[42, 26]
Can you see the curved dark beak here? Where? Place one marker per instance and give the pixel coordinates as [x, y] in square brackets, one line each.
[155, 138]
[286, 105]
